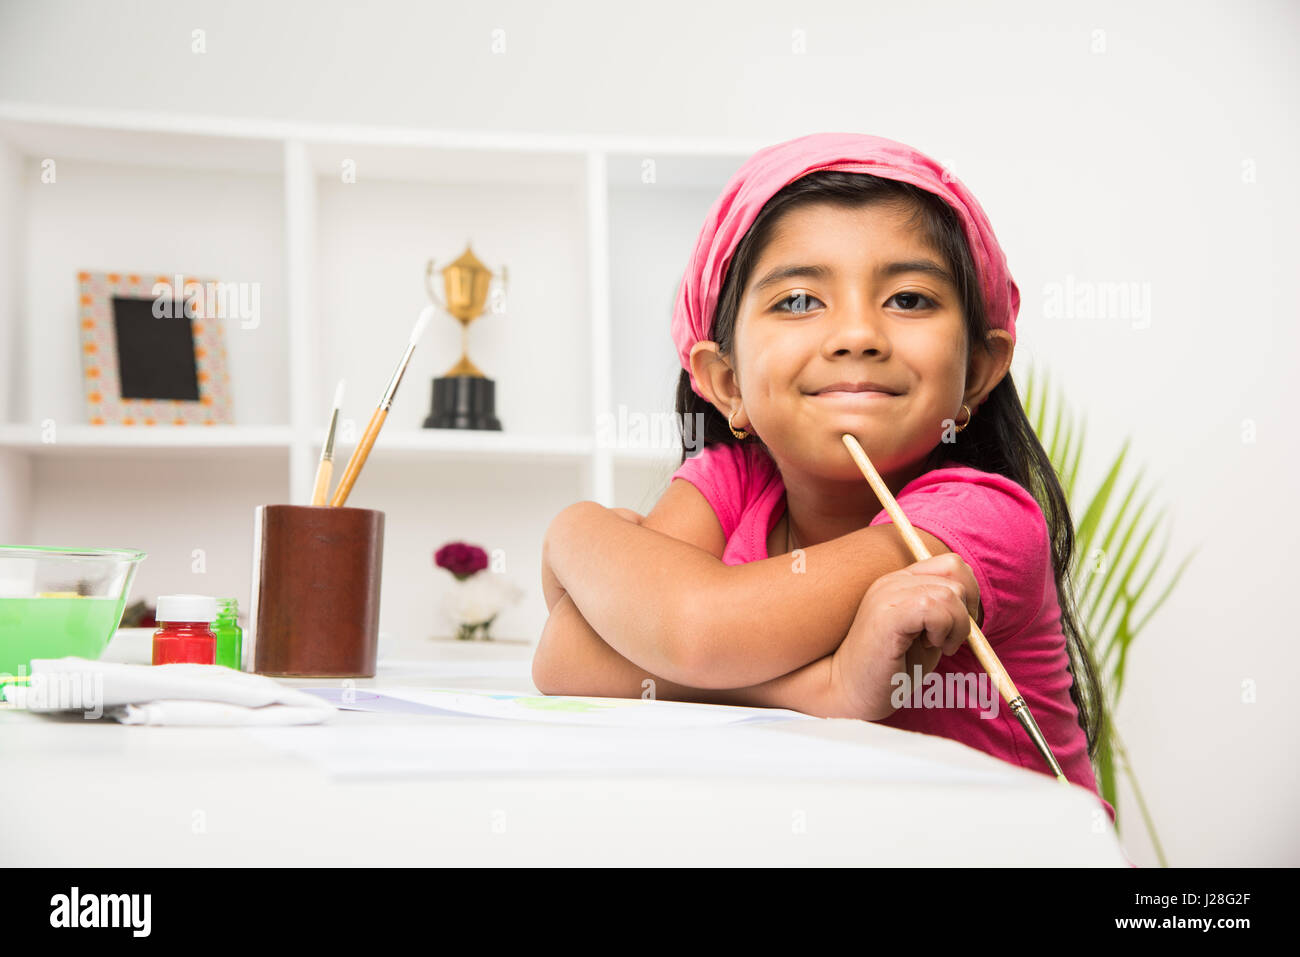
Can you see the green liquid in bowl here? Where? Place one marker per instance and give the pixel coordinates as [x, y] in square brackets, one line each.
[55, 628]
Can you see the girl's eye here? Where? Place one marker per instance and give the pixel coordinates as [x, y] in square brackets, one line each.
[929, 304]
[800, 302]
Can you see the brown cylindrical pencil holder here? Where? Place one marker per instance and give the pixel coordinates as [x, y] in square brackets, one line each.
[315, 601]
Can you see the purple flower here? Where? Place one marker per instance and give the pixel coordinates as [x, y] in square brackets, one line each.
[461, 559]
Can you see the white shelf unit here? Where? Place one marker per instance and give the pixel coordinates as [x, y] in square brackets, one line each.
[595, 230]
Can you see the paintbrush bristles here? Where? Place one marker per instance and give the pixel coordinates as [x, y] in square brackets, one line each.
[325, 468]
[422, 323]
[328, 451]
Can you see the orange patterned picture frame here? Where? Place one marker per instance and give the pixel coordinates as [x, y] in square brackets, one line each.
[100, 365]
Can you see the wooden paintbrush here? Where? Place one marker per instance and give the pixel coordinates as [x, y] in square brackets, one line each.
[362, 451]
[978, 643]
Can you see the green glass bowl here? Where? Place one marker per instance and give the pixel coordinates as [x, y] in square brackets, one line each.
[56, 602]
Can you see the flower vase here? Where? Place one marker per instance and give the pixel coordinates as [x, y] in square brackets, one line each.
[480, 629]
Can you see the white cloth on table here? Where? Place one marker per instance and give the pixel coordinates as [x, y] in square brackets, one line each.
[175, 694]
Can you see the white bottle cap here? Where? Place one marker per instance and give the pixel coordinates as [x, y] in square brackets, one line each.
[186, 608]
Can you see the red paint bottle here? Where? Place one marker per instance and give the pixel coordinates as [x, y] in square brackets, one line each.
[185, 630]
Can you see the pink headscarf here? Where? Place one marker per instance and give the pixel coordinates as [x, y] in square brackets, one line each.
[766, 172]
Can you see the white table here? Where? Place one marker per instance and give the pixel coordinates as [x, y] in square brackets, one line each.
[98, 793]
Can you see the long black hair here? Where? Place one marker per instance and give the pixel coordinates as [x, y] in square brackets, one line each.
[999, 439]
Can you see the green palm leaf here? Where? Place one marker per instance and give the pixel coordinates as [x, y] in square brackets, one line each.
[1121, 590]
[1112, 537]
[1071, 473]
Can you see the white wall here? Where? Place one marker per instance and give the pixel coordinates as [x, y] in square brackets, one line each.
[1122, 165]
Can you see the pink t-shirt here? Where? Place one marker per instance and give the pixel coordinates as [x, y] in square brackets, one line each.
[999, 531]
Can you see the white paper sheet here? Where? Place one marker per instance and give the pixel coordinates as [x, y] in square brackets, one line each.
[548, 709]
[412, 668]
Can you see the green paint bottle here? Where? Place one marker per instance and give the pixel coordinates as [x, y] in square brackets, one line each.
[230, 637]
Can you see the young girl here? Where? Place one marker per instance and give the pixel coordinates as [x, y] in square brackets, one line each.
[841, 283]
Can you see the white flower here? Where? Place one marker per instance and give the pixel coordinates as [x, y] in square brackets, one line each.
[479, 597]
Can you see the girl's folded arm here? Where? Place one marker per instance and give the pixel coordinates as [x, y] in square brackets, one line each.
[571, 659]
[677, 611]
[628, 588]
[768, 617]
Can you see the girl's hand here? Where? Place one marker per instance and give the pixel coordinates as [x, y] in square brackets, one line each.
[908, 617]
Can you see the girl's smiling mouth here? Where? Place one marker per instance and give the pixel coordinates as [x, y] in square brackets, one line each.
[851, 399]
[853, 394]
[855, 385]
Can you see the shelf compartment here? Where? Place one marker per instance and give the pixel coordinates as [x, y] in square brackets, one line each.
[117, 440]
[456, 445]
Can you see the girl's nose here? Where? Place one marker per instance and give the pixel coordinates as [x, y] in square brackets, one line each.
[856, 328]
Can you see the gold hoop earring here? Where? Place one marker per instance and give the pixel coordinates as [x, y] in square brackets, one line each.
[969, 415]
[740, 434]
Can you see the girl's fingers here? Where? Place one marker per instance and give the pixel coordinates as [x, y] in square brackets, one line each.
[924, 614]
[960, 630]
[951, 619]
[952, 567]
[913, 580]
[938, 615]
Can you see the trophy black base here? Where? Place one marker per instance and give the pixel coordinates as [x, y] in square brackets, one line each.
[463, 402]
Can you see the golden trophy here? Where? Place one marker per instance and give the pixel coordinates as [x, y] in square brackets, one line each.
[465, 398]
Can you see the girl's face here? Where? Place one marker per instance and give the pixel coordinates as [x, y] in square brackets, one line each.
[879, 306]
